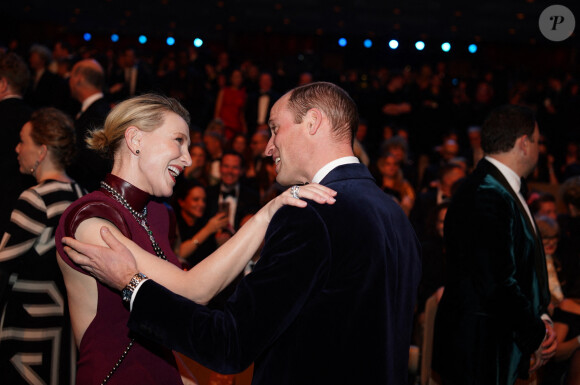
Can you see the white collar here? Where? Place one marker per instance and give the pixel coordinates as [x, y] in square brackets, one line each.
[90, 100]
[331, 166]
[510, 175]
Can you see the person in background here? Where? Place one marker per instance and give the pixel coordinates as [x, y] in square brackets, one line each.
[86, 85]
[230, 106]
[35, 331]
[196, 232]
[14, 79]
[394, 184]
[492, 324]
[199, 168]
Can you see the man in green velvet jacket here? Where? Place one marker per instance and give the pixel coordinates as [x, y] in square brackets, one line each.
[491, 325]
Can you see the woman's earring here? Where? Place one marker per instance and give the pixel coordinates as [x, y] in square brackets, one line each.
[137, 152]
[33, 169]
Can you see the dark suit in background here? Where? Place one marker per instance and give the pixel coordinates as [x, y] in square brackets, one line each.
[488, 322]
[329, 302]
[14, 112]
[248, 202]
[252, 109]
[90, 168]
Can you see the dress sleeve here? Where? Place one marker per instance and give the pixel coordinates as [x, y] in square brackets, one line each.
[91, 209]
[27, 222]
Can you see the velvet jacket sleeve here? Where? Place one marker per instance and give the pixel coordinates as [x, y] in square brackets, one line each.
[293, 265]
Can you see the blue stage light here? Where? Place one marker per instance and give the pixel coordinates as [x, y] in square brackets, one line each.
[114, 38]
[368, 43]
[472, 48]
[170, 40]
[446, 47]
[393, 44]
[342, 42]
[87, 36]
[197, 42]
[420, 46]
[142, 39]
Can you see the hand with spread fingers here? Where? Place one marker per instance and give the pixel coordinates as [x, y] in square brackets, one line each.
[113, 265]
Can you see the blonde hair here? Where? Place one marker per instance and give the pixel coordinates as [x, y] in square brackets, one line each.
[146, 112]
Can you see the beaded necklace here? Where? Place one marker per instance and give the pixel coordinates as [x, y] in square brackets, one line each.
[140, 217]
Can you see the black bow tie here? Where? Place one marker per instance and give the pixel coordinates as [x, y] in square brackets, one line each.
[524, 188]
[231, 193]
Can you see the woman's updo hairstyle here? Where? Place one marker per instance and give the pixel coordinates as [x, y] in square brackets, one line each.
[55, 130]
[146, 112]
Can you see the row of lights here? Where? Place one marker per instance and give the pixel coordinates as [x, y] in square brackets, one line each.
[197, 42]
[342, 42]
[419, 45]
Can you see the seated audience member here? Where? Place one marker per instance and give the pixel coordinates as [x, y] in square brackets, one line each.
[266, 181]
[358, 146]
[196, 232]
[566, 312]
[543, 205]
[565, 367]
[544, 171]
[474, 153]
[549, 230]
[433, 250]
[569, 246]
[231, 194]
[258, 144]
[393, 182]
[426, 201]
[399, 148]
[199, 169]
[214, 145]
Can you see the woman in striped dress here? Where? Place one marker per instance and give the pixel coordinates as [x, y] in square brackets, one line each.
[36, 345]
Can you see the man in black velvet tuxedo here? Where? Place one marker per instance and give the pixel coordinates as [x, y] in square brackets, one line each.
[86, 85]
[331, 299]
[491, 325]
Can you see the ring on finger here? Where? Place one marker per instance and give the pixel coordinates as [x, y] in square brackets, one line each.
[295, 191]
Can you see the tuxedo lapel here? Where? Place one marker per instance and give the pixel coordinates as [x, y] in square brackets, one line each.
[497, 175]
[539, 257]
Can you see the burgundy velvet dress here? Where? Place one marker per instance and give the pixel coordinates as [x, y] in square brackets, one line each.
[107, 336]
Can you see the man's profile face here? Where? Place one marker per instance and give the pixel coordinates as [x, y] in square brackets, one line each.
[285, 145]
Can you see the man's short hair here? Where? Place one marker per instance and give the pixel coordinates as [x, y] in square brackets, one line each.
[536, 204]
[335, 102]
[15, 70]
[92, 76]
[237, 154]
[504, 125]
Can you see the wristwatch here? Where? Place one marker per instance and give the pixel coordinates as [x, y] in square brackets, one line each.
[128, 290]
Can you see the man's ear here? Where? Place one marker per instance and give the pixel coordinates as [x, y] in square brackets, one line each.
[133, 138]
[313, 120]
